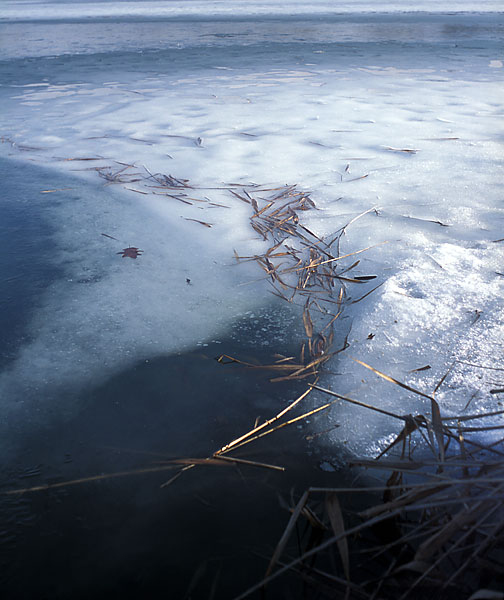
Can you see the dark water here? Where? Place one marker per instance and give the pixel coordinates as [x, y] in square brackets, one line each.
[26, 247]
[123, 537]
[127, 537]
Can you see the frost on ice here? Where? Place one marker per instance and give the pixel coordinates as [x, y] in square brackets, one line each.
[398, 113]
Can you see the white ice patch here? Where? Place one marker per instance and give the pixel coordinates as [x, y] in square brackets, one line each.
[428, 317]
[108, 312]
[411, 130]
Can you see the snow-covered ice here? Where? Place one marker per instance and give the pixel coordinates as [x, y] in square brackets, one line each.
[270, 93]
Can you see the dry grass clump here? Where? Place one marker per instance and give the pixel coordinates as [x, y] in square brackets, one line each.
[302, 268]
[434, 527]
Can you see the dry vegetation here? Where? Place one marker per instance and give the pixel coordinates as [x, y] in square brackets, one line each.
[434, 526]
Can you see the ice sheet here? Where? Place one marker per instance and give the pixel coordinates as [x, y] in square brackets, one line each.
[78, 9]
[329, 115]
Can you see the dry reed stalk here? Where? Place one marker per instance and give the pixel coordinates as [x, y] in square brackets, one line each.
[453, 518]
[317, 269]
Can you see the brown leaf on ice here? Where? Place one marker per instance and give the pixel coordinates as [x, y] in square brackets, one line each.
[130, 252]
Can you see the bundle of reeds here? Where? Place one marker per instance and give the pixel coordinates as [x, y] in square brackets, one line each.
[301, 267]
[434, 527]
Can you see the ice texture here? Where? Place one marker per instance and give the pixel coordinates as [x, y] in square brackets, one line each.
[222, 92]
[23, 10]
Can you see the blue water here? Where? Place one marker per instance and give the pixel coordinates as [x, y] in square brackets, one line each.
[92, 35]
[26, 247]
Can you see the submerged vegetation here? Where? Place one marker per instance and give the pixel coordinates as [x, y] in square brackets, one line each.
[434, 523]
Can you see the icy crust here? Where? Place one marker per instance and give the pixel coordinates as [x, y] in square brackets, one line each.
[428, 319]
[409, 133]
[109, 312]
[301, 121]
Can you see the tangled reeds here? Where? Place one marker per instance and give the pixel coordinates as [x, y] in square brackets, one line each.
[302, 267]
[433, 526]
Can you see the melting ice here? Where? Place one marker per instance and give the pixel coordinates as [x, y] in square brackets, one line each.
[260, 92]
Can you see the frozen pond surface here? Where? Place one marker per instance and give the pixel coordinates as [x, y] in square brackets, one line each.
[372, 108]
